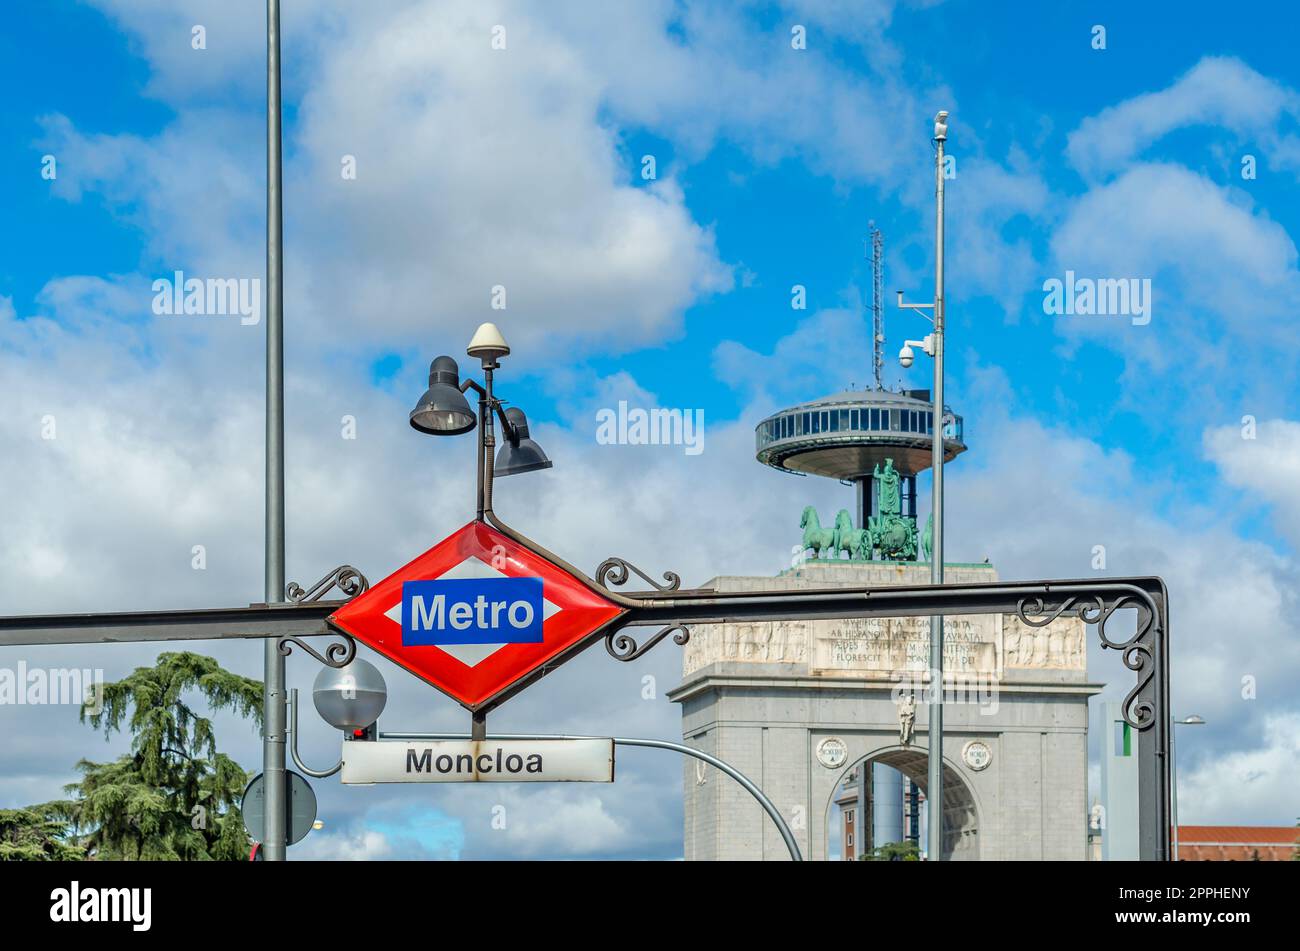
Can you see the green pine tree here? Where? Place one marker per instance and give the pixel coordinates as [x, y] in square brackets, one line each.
[36, 834]
[174, 796]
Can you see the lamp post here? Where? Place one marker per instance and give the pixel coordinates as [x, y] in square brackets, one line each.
[444, 411]
[1193, 720]
[933, 345]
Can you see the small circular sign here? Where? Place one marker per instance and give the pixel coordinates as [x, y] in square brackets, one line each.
[976, 754]
[831, 752]
[301, 808]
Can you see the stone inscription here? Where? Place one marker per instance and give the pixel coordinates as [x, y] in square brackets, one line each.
[885, 645]
[985, 644]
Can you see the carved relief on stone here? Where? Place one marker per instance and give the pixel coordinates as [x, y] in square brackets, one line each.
[763, 642]
[1059, 645]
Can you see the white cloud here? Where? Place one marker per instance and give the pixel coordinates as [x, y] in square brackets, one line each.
[1220, 268]
[479, 167]
[558, 823]
[365, 846]
[1267, 463]
[1218, 91]
[1257, 779]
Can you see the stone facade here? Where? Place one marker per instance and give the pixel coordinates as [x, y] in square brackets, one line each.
[763, 696]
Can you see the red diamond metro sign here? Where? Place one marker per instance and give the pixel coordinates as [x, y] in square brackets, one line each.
[477, 614]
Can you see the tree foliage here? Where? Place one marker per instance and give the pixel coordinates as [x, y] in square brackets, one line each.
[36, 834]
[895, 852]
[174, 796]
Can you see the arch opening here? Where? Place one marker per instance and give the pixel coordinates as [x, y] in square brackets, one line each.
[850, 833]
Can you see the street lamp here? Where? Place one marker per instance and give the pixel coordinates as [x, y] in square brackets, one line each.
[443, 410]
[520, 454]
[1193, 720]
[352, 697]
[933, 345]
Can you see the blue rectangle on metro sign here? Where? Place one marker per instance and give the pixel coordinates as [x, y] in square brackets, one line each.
[472, 611]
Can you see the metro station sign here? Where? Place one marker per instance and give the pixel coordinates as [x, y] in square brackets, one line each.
[478, 616]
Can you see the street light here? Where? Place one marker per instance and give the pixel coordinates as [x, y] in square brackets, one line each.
[352, 697]
[520, 454]
[1193, 720]
[444, 411]
[933, 345]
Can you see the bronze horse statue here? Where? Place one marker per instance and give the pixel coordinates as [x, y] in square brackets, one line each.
[814, 536]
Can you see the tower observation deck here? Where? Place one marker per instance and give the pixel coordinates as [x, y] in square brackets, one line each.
[859, 435]
[848, 435]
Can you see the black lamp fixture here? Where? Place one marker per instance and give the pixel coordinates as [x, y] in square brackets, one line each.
[519, 453]
[443, 409]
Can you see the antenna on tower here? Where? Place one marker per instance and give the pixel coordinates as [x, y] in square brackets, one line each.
[877, 303]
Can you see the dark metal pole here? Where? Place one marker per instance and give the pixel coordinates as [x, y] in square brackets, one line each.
[273, 697]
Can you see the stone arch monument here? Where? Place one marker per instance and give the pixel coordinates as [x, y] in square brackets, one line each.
[794, 705]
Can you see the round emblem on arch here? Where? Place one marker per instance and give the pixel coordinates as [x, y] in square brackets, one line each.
[832, 752]
[977, 755]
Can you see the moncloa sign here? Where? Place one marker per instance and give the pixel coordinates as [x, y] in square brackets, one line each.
[486, 761]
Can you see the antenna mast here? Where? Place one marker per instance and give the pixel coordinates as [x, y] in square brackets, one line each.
[877, 303]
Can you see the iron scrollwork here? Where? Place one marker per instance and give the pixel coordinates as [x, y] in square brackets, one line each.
[614, 572]
[622, 646]
[1092, 609]
[336, 655]
[346, 578]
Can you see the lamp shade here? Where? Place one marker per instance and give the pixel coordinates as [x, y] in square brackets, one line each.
[351, 697]
[521, 455]
[443, 409]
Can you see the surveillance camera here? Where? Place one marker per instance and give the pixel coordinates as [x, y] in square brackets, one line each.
[905, 357]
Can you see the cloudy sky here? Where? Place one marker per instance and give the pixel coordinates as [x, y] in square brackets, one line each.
[647, 182]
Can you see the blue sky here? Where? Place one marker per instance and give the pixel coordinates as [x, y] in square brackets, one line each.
[1115, 163]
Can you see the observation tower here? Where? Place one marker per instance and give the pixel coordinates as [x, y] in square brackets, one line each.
[876, 440]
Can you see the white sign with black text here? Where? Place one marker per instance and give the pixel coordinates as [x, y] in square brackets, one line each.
[485, 761]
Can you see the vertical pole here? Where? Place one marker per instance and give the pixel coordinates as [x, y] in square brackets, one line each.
[1154, 743]
[864, 501]
[860, 825]
[489, 436]
[273, 697]
[482, 429]
[934, 794]
[1173, 782]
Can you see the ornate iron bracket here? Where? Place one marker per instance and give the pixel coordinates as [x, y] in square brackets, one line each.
[622, 646]
[336, 655]
[1092, 609]
[614, 572]
[346, 578]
